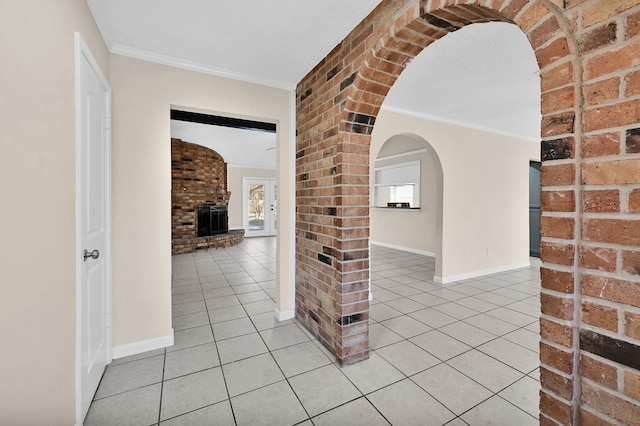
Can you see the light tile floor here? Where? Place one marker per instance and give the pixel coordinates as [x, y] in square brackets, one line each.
[465, 353]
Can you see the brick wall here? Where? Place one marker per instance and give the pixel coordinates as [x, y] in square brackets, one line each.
[589, 55]
[198, 177]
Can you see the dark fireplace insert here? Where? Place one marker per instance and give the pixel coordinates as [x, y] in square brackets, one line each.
[212, 220]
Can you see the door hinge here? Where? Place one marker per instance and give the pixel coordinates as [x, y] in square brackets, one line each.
[107, 122]
[108, 320]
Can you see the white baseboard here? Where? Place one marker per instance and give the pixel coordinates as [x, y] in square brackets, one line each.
[142, 346]
[284, 315]
[408, 249]
[481, 273]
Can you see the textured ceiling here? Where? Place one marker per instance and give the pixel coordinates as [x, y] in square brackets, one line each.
[273, 42]
[483, 76]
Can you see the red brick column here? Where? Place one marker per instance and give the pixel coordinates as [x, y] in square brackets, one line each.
[608, 34]
[589, 56]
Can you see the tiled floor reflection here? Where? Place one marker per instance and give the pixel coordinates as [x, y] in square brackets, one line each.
[462, 354]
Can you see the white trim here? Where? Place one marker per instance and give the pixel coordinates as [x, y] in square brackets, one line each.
[481, 273]
[402, 154]
[284, 315]
[397, 166]
[145, 55]
[397, 209]
[292, 205]
[236, 166]
[81, 50]
[143, 346]
[456, 123]
[401, 248]
[245, 207]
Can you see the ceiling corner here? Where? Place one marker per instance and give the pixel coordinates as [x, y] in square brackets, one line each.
[102, 22]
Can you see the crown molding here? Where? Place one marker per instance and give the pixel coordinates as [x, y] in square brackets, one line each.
[198, 67]
[457, 123]
[402, 154]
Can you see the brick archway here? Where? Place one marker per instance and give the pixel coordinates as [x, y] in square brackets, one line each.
[337, 107]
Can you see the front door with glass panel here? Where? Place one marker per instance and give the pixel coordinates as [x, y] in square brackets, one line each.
[259, 207]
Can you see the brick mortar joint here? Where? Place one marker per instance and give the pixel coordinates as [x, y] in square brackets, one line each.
[558, 294]
[578, 133]
[555, 266]
[613, 102]
[556, 320]
[560, 188]
[613, 275]
[558, 241]
[622, 187]
[612, 158]
[556, 396]
[621, 73]
[557, 346]
[612, 216]
[601, 245]
[560, 215]
[608, 304]
[558, 372]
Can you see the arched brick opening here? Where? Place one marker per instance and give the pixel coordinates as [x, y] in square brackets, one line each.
[590, 278]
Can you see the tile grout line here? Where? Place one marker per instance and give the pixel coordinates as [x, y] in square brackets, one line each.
[226, 387]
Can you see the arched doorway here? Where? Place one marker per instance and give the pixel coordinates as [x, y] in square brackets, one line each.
[418, 227]
[332, 165]
[338, 103]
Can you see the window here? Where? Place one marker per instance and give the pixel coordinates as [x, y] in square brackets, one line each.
[397, 186]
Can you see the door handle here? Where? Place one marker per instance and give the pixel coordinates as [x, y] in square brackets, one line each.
[90, 254]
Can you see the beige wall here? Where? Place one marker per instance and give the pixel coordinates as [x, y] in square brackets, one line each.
[143, 94]
[38, 228]
[485, 219]
[234, 183]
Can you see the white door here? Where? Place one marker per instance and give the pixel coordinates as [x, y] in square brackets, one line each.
[259, 207]
[93, 97]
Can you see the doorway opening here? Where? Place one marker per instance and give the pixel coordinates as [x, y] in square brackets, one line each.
[407, 161]
[535, 208]
[259, 206]
[217, 155]
[482, 124]
[475, 96]
[238, 149]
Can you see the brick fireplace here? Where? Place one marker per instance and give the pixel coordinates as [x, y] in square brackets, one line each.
[198, 183]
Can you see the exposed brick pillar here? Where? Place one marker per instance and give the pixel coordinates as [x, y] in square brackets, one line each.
[588, 54]
[332, 230]
[608, 34]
